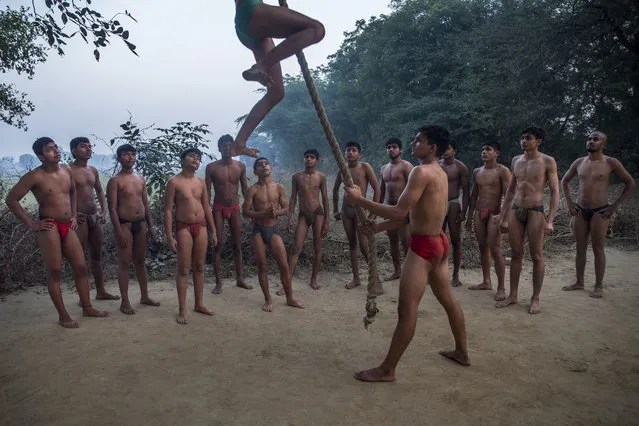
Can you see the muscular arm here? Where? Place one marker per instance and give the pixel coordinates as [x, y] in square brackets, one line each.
[504, 179]
[473, 195]
[112, 202]
[510, 192]
[324, 193]
[565, 182]
[243, 183]
[382, 185]
[208, 215]
[147, 209]
[553, 184]
[372, 179]
[293, 201]
[73, 197]
[169, 199]
[465, 186]
[623, 175]
[208, 181]
[16, 194]
[247, 206]
[336, 185]
[100, 193]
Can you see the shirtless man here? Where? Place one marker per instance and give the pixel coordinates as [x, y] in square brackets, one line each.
[189, 195]
[394, 178]
[591, 214]
[489, 186]
[265, 201]
[424, 199]
[53, 187]
[363, 175]
[531, 171]
[227, 175]
[309, 184]
[131, 219]
[89, 230]
[458, 180]
[256, 25]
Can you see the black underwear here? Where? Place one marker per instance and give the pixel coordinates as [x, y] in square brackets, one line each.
[587, 214]
[522, 214]
[310, 216]
[267, 232]
[136, 226]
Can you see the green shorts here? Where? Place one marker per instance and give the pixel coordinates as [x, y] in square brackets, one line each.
[243, 15]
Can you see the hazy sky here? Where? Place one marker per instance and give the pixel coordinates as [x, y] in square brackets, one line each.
[189, 69]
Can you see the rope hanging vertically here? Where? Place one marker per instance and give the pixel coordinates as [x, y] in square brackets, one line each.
[373, 278]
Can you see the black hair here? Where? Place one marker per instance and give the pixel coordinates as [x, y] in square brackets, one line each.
[493, 144]
[537, 132]
[77, 141]
[453, 144]
[394, 141]
[188, 151]
[355, 144]
[224, 139]
[124, 148]
[436, 135]
[40, 143]
[257, 160]
[312, 152]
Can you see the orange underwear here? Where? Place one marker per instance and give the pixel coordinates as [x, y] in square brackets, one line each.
[433, 248]
[226, 211]
[194, 228]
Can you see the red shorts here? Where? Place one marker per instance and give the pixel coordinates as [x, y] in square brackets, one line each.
[226, 211]
[433, 248]
[194, 228]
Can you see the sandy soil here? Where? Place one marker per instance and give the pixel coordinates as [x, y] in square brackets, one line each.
[575, 363]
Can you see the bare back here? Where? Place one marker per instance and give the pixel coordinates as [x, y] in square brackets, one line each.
[394, 179]
[85, 179]
[594, 178]
[130, 192]
[189, 192]
[429, 212]
[52, 190]
[226, 179]
[263, 196]
[454, 173]
[491, 184]
[308, 189]
[531, 175]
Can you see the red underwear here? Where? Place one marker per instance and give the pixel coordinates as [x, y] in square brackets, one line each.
[194, 228]
[226, 211]
[485, 213]
[433, 248]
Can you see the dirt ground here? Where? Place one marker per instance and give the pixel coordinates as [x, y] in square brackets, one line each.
[575, 363]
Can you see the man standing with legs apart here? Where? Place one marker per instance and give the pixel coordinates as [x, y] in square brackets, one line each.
[531, 171]
[309, 184]
[54, 190]
[489, 186]
[394, 178]
[363, 175]
[591, 214]
[227, 175]
[424, 199]
[266, 201]
[458, 180]
[256, 25]
[87, 185]
[189, 195]
[131, 219]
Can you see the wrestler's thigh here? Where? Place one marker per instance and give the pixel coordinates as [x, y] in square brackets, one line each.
[50, 247]
[301, 231]
[393, 236]
[516, 233]
[218, 220]
[72, 250]
[581, 229]
[454, 227]
[481, 229]
[95, 238]
[350, 227]
[125, 255]
[277, 22]
[184, 248]
[278, 250]
[140, 243]
[317, 227]
[439, 280]
[259, 248]
[83, 231]
[200, 245]
[535, 231]
[598, 230]
[493, 233]
[236, 226]
[413, 280]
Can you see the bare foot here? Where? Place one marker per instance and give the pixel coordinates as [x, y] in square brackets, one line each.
[455, 282]
[217, 289]
[315, 285]
[353, 284]
[394, 277]
[106, 296]
[267, 307]
[575, 286]
[376, 374]
[150, 302]
[294, 303]
[457, 356]
[242, 284]
[181, 319]
[203, 310]
[92, 312]
[482, 286]
[507, 301]
[280, 291]
[126, 308]
[67, 323]
[501, 294]
[257, 73]
[534, 307]
[597, 293]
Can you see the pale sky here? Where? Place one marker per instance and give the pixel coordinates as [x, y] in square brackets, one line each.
[189, 69]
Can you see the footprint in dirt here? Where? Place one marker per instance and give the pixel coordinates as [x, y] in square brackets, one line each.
[573, 365]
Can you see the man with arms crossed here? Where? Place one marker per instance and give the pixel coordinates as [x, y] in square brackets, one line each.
[531, 171]
[489, 186]
[591, 214]
[227, 175]
[309, 184]
[424, 198]
[394, 177]
[87, 186]
[458, 180]
[53, 187]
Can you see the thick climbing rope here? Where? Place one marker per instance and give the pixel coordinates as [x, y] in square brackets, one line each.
[373, 277]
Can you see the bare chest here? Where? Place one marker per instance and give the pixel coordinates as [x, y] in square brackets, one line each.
[594, 173]
[84, 178]
[53, 185]
[226, 174]
[530, 171]
[393, 174]
[488, 178]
